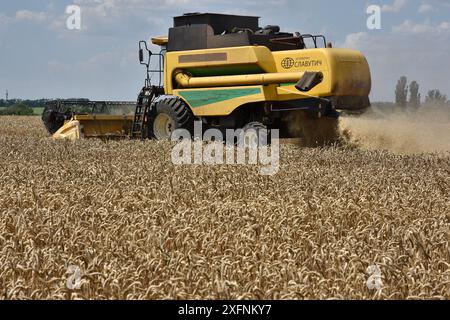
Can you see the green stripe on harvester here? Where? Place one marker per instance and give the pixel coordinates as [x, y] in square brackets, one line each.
[199, 98]
[287, 84]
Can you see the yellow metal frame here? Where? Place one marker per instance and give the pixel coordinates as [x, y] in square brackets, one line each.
[345, 73]
[94, 126]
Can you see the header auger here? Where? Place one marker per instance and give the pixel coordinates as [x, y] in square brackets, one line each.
[230, 73]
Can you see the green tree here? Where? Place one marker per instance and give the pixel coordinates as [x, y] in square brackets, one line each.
[17, 109]
[401, 92]
[435, 97]
[414, 95]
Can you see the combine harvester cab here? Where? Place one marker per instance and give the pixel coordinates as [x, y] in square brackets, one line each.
[230, 73]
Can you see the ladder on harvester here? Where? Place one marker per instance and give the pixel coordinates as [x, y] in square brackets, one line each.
[144, 111]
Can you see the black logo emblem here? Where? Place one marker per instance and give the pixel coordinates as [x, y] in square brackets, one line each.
[287, 63]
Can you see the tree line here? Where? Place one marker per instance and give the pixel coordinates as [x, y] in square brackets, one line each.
[408, 96]
[20, 107]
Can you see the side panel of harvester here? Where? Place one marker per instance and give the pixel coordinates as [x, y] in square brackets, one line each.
[215, 82]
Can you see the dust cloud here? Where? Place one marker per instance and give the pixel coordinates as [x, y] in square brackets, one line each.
[426, 130]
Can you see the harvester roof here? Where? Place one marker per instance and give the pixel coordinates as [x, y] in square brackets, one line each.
[195, 31]
[220, 23]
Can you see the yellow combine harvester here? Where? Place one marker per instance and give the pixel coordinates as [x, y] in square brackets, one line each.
[231, 74]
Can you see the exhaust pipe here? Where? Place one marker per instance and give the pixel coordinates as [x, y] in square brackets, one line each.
[184, 80]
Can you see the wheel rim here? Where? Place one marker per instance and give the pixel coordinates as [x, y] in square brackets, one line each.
[251, 138]
[163, 126]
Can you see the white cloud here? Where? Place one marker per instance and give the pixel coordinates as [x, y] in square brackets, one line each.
[105, 8]
[24, 15]
[409, 27]
[425, 8]
[4, 19]
[356, 40]
[416, 55]
[27, 15]
[395, 7]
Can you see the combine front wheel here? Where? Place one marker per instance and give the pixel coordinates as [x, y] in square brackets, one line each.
[171, 114]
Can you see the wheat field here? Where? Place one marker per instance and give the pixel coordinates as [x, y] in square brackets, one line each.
[139, 227]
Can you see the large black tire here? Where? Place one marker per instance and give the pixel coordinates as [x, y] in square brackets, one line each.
[171, 113]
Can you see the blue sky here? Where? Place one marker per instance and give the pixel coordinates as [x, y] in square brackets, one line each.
[40, 57]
